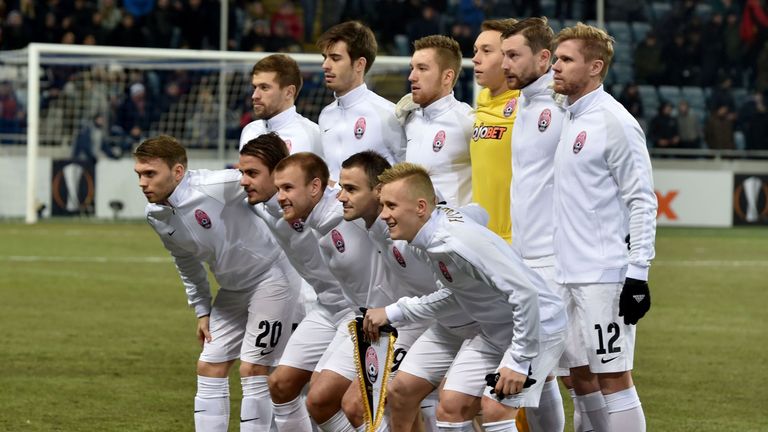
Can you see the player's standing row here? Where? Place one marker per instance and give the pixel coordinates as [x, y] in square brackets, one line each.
[508, 303]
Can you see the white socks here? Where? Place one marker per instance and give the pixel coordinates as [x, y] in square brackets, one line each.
[455, 427]
[501, 426]
[337, 423]
[429, 411]
[256, 408]
[292, 416]
[593, 406]
[549, 416]
[625, 411]
[212, 404]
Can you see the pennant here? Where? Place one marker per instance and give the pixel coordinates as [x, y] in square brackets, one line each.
[373, 361]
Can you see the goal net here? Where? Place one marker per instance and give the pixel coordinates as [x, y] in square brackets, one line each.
[98, 103]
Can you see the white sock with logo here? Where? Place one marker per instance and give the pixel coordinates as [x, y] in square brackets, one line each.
[337, 423]
[256, 408]
[501, 426]
[292, 416]
[212, 404]
[580, 423]
[625, 413]
[549, 416]
[593, 407]
[465, 426]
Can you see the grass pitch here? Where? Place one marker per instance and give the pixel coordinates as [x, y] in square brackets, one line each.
[97, 335]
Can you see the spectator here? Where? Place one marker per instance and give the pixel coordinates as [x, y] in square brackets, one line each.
[630, 98]
[14, 35]
[713, 50]
[257, 37]
[134, 114]
[286, 15]
[678, 72]
[50, 32]
[91, 141]
[127, 34]
[82, 13]
[723, 96]
[197, 23]
[281, 41]
[11, 115]
[111, 16]
[719, 129]
[754, 118]
[663, 129]
[688, 126]
[427, 23]
[733, 47]
[138, 8]
[761, 81]
[161, 29]
[649, 68]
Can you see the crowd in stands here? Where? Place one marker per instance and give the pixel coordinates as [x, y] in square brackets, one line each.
[717, 45]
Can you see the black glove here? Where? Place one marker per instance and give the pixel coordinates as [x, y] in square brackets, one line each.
[635, 300]
[492, 379]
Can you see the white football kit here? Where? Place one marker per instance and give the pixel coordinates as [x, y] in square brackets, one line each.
[299, 133]
[483, 275]
[207, 221]
[360, 120]
[437, 137]
[603, 191]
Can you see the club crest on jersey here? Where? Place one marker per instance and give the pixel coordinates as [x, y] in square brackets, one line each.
[509, 108]
[298, 225]
[398, 256]
[581, 139]
[371, 364]
[444, 271]
[545, 118]
[360, 128]
[439, 141]
[338, 241]
[203, 219]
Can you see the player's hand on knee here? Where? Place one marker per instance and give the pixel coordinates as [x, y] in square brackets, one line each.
[510, 382]
[374, 318]
[635, 300]
[203, 329]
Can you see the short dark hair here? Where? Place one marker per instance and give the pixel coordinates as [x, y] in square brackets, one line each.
[163, 147]
[499, 25]
[536, 31]
[285, 68]
[269, 148]
[369, 161]
[311, 164]
[359, 39]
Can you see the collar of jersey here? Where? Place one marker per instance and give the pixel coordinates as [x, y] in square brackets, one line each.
[438, 107]
[541, 85]
[484, 99]
[584, 103]
[354, 96]
[423, 238]
[279, 121]
[181, 192]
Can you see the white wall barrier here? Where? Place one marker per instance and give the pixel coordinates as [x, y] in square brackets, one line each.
[13, 183]
[694, 197]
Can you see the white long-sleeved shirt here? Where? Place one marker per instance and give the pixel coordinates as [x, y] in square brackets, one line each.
[302, 249]
[603, 191]
[346, 249]
[299, 133]
[207, 221]
[360, 120]
[534, 141]
[438, 137]
[481, 273]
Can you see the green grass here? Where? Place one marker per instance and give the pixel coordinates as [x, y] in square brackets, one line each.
[97, 337]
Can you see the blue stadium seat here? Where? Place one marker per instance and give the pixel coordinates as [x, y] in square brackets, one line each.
[623, 73]
[623, 53]
[616, 90]
[639, 30]
[695, 97]
[670, 94]
[556, 25]
[740, 96]
[703, 11]
[650, 99]
[570, 22]
[660, 10]
[620, 30]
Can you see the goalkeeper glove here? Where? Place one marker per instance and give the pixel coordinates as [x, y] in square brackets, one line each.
[635, 300]
[404, 107]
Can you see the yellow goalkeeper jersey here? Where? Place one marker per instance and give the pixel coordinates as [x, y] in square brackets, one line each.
[491, 152]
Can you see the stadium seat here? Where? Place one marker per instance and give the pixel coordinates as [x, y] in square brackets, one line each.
[556, 25]
[623, 73]
[703, 11]
[670, 94]
[620, 30]
[623, 52]
[650, 99]
[695, 97]
[639, 30]
[570, 22]
[660, 10]
[616, 90]
[740, 96]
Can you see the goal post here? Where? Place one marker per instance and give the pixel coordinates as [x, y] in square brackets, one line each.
[68, 85]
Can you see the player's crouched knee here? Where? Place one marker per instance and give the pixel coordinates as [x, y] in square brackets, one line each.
[283, 387]
[353, 407]
[397, 394]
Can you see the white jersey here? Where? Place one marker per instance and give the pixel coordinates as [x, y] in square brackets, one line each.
[360, 120]
[534, 141]
[303, 251]
[207, 221]
[346, 248]
[438, 138]
[481, 273]
[603, 191]
[299, 133]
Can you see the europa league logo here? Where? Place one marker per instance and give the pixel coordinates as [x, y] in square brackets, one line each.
[750, 200]
[72, 188]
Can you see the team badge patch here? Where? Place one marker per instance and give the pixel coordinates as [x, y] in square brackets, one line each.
[398, 256]
[360, 127]
[298, 225]
[203, 219]
[509, 108]
[581, 139]
[444, 271]
[371, 364]
[439, 141]
[338, 241]
[545, 118]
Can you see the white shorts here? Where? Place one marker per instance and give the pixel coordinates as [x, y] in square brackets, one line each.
[477, 358]
[550, 350]
[314, 335]
[596, 326]
[342, 360]
[432, 354]
[255, 324]
[546, 269]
